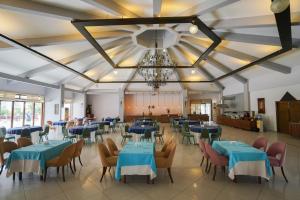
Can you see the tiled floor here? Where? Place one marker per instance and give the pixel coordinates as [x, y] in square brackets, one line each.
[190, 180]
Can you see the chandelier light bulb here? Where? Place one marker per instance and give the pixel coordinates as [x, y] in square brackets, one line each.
[278, 6]
[193, 29]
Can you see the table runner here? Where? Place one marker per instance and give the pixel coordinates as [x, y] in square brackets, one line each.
[244, 159]
[136, 158]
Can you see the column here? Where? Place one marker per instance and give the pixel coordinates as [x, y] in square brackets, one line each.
[246, 97]
[121, 104]
[61, 96]
[185, 102]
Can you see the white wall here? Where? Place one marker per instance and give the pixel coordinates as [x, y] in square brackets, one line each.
[79, 103]
[236, 104]
[104, 105]
[23, 88]
[52, 97]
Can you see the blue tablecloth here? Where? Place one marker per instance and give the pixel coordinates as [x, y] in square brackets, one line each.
[18, 130]
[100, 122]
[141, 129]
[78, 130]
[109, 119]
[147, 123]
[179, 118]
[190, 122]
[198, 129]
[136, 158]
[239, 154]
[60, 123]
[40, 152]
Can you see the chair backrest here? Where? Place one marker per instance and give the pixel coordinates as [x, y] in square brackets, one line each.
[213, 155]
[202, 148]
[86, 133]
[67, 155]
[65, 131]
[6, 147]
[170, 158]
[163, 130]
[261, 143]
[169, 141]
[23, 142]
[104, 154]
[278, 150]
[79, 146]
[2, 131]
[46, 128]
[147, 134]
[25, 132]
[204, 133]
[126, 128]
[111, 146]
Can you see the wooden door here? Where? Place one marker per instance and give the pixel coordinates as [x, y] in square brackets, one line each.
[294, 111]
[283, 116]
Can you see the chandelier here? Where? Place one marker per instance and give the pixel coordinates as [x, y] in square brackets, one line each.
[151, 67]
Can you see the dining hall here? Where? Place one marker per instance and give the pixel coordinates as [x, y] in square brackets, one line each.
[149, 99]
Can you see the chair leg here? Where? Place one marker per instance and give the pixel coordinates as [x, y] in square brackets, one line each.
[63, 173]
[80, 161]
[74, 164]
[206, 167]
[1, 169]
[283, 174]
[273, 170]
[215, 171]
[103, 173]
[45, 174]
[70, 164]
[202, 161]
[170, 174]
[14, 176]
[57, 170]
[209, 167]
[109, 168]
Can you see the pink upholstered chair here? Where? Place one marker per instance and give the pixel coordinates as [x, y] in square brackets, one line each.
[261, 143]
[215, 159]
[276, 154]
[205, 155]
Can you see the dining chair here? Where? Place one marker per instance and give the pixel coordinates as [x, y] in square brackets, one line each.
[215, 136]
[112, 147]
[216, 159]
[204, 154]
[160, 135]
[6, 147]
[125, 134]
[3, 134]
[166, 161]
[276, 154]
[23, 142]
[112, 126]
[163, 152]
[147, 136]
[99, 132]
[86, 135]
[261, 143]
[106, 158]
[66, 134]
[25, 132]
[186, 134]
[44, 133]
[205, 134]
[77, 153]
[64, 159]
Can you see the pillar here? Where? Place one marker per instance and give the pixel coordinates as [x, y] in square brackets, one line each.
[246, 97]
[61, 96]
[185, 102]
[121, 104]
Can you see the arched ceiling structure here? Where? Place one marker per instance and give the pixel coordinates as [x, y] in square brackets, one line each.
[247, 29]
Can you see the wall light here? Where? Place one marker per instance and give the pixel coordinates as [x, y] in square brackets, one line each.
[278, 6]
[193, 29]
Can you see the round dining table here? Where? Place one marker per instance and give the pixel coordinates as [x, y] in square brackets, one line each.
[78, 130]
[141, 129]
[100, 122]
[18, 130]
[196, 130]
[60, 123]
[190, 122]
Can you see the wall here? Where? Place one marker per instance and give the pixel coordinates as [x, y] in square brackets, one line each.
[104, 105]
[52, 97]
[237, 104]
[136, 104]
[24, 88]
[271, 96]
[79, 105]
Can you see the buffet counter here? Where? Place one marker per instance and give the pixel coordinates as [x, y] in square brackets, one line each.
[198, 117]
[245, 124]
[159, 118]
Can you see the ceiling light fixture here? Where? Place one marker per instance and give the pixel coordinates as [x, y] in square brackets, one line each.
[115, 72]
[278, 6]
[193, 71]
[193, 28]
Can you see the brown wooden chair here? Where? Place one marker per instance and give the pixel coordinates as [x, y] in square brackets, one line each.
[163, 152]
[112, 147]
[106, 159]
[167, 160]
[6, 147]
[79, 146]
[23, 142]
[62, 160]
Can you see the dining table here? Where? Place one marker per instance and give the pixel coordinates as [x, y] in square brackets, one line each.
[136, 158]
[33, 158]
[244, 159]
[197, 130]
[141, 129]
[100, 122]
[60, 123]
[189, 122]
[19, 130]
[78, 130]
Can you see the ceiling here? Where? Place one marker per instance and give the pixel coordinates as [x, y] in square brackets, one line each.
[247, 28]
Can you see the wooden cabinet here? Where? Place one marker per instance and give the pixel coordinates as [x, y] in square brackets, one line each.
[294, 129]
[287, 112]
[245, 124]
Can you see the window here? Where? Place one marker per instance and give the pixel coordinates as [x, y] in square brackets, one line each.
[18, 114]
[38, 114]
[28, 113]
[5, 113]
[201, 108]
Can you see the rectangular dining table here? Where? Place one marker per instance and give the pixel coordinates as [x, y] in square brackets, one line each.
[136, 158]
[244, 159]
[33, 158]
